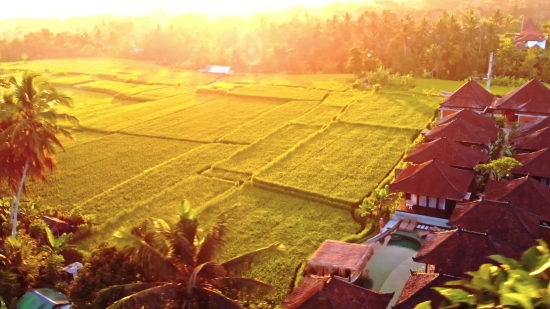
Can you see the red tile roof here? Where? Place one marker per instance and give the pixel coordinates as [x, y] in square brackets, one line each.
[532, 141]
[531, 37]
[460, 130]
[532, 97]
[474, 118]
[534, 164]
[419, 288]
[470, 95]
[333, 293]
[532, 126]
[457, 252]
[448, 152]
[434, 179]
[501, 220]
[529, 27]
[526, 193]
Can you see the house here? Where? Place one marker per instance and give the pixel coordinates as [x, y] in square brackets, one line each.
[535, 164]
[448, 152]
[459, 251]
[217, 69]
[340, 259]
[471, 96]
[43, 298]
[530, 36]
[534, 141]
[473, 118]
[462, 131]
[433, 188]
[526, 193]
[333, 293]
[527, 103]
[57, 226]
[532, 126]
[506, 222]
[420, 288]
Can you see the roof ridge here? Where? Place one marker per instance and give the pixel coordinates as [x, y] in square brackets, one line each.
[445, 176]
[515, 210]
[422, 288]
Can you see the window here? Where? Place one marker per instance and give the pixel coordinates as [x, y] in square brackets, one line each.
[545, 181]
[423, 201]
[433, 202]
[442, 203]
[414, 199]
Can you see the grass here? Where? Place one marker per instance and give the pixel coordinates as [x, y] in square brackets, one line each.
[269, 122]
[333, 82]
[343, 162]
[263, 217]
[451, 85]
[320, 116]
[91, 168]
[260, 153]
[280, 92]
[73, 80]
[206, 122]
[391, 109]
[342, 99]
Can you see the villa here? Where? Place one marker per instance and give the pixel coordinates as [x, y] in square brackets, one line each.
[534, 164]
[532, 126]
[448, 152]
[530, 36]
[464, 132]
[471, 96]
[529, 102]
[420, 288]
[474, 119]
[532, 141]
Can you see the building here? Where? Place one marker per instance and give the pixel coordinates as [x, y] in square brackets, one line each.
[530, 36]
[334, 293]
[459, 251]
[448, 152]
[532, 126]
[420, 288]
[217, 69]
[473, 118]
[470, 96]
[533, 141]
[529, 102]
[433, 188]
[462, 131]
[535, 164]
[502, 220]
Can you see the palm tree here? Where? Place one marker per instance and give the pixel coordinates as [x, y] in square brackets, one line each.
[180, 267]
[28, 132]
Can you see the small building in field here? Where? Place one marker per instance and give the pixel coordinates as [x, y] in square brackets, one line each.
[532, 141]
[334, 293]
[529, 102]
[464, 132]
[448, 152]
[501, 220]
[526, 193]
[530, 36]
[459, 251]
[342, 259]
[217, 69]
[433, 188]
[535, 164]
[420, 288]
[471, 117]
[471, 96]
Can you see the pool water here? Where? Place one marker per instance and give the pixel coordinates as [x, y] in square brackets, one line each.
[392, 263]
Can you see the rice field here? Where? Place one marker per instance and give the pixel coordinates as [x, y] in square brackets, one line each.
[107, 86]
[321, 115]
[73, 80]
[279, 92]
[332, 82]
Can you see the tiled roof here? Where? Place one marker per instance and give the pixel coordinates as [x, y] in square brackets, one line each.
[474, 118]
[448, 152]
[529, 27]
[419, 288]
[530, 127]
[526, 193]
[501, 220]
[534, 164]
[457, 252]
[532, 97]
[434, 179]
[334, 293]
[460, 130]
[533, 141]
[470, 95]
[530, 37]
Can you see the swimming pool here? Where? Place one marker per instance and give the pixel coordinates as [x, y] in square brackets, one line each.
[392, 262]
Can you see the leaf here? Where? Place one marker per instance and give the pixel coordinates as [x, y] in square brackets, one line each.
[424, 305]
[514, 299]
[211, 271]
[51, 238]
[456, 296]
[155, 297]
[213, 241]
[117, 292]
[541, 269]
[243, 286]
[529, 259]
[237, 265]
[217, 300]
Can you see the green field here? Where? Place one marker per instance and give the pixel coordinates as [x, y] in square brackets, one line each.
[277, 146]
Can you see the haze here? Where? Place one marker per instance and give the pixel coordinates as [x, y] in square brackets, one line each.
[68, 8]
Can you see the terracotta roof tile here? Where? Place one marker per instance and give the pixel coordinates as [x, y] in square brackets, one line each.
[336, 294]
[529, 27]
[532, 97]
[448, 152]
[533, 126]
[533, 141]
[434, 179]
[474, 118]
[500, 220]
[470, 95]
[419, 288]
[526, 193]
[460, 130]
[534, 164]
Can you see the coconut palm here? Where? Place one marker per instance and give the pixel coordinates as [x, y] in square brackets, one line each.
[181, 268]
[28, 133]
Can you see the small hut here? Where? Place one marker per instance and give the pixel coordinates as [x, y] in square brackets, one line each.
[340, 259]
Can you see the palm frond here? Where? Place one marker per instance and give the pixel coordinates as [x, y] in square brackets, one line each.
[51, 238]
[243, 287]
[150, 259]
[187, 224]
[158, 234]
[183, 248]
[208, 270]
[117, 292]
[217, 300]
[213, 241]
[241, 263]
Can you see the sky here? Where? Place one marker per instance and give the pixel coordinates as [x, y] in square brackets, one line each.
[67, 8]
